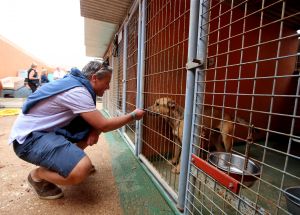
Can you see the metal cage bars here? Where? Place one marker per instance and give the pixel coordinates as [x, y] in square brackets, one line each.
[204, 193]
[219, 58]
[165, 76]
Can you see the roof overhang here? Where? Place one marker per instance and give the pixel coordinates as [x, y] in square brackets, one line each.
[102, 20]
[97, 36]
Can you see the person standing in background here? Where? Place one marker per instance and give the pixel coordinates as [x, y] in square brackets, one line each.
[32, 76]
[1, 88]
[58, 74]
[44, 76]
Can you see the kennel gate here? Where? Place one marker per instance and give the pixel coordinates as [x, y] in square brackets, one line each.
[123, 54]
[160, 63]
[131, 71]
[166, 43]
[113, 97]
[250, 69]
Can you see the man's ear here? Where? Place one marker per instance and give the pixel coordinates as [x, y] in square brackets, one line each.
[93, 77]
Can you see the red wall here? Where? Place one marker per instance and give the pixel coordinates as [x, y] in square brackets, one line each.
[13, 59]
[225, 50]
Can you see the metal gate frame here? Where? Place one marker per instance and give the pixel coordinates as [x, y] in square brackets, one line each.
[136, 6]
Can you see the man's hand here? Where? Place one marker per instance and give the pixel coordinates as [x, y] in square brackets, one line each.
[138, 114]
[93, 137]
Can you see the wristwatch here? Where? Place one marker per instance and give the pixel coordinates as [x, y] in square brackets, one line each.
[133, 115]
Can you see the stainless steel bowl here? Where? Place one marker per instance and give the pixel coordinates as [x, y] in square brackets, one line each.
[234, 165]
[292, 195]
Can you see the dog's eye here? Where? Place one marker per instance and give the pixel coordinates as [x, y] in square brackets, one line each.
[157, 104]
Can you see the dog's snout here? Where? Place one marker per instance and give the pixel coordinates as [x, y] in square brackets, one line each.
[151, 110]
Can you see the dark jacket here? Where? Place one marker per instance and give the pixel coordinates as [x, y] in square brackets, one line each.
[44, 79]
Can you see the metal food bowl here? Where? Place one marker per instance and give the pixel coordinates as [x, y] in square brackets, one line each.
[292, 195]
[234, 165]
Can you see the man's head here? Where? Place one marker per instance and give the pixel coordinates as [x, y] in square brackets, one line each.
[99, 75]
[33, 65]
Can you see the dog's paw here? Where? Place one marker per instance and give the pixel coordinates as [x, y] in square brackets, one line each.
[173, 161]
[176, 169]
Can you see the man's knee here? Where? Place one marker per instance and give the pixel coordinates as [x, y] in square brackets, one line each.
[80, 171]
[82, 144]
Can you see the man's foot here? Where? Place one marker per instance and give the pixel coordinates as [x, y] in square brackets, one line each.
[45, 189]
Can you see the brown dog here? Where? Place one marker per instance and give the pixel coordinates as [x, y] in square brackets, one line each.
[173, 114]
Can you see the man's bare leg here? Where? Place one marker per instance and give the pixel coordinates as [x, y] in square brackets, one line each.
[80, 172]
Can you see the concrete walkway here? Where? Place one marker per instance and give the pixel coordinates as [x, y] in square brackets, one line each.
[119, 186]
[97, 195]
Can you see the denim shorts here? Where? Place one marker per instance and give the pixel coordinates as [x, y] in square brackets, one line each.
[51, 151]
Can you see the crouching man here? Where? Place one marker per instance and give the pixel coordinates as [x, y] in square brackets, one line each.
[58, 122]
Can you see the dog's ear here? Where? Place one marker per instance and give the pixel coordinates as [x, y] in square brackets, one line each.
[171, 104]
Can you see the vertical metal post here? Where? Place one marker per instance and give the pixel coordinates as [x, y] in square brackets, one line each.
[201, 46]
[190, 81]
[201, 55]
[142, 71]
[138, 77]
[125, 39]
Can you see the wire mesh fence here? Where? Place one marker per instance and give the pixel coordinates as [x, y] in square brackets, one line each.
[164, 91]
[131, 71]
[245, 136]
[246, 128]
[119, 58]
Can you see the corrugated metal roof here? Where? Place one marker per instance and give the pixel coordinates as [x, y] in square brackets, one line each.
[103, 17]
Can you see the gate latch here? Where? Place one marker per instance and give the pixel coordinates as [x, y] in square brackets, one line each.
[195, 63]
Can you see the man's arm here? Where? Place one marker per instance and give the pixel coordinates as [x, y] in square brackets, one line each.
[102, 124]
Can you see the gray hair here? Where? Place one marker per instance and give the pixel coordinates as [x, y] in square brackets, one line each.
[96, 67]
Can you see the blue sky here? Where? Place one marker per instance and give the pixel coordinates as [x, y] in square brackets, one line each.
[51, 30]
